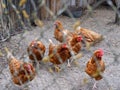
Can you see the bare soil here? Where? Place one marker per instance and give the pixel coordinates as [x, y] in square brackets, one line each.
[69, 78]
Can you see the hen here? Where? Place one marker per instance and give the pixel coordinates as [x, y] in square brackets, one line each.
[75, 43]
[58, 54]
[60, 33]
[95, 66]
[21, 72]
[90, 36]
[36, 50]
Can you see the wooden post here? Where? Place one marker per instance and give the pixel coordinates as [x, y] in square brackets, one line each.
[77, 3]
[117, 18]
[58, 5]
[43, 12]
[53, 5]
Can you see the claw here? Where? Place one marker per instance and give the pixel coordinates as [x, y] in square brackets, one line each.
[50, 70]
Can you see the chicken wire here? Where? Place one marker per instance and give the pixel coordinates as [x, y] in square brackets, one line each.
[22, 24]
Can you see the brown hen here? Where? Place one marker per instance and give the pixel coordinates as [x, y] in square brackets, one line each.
[21, 72]
[60, 33]
[75, 43]
[90, 36]
[36, 50]
[95, 66]
[58, 53]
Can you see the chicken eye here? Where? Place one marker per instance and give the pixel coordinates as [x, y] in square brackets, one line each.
[97, 54]
[58, 23]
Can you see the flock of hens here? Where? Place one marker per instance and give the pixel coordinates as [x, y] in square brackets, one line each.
[70, 44]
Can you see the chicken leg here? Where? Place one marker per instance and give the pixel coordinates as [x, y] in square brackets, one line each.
[68, 63]
[50, 70]
[57, 68]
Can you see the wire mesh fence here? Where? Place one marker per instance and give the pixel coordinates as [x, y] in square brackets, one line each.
[19, 17]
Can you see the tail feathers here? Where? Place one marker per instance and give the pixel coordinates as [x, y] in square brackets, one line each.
[78, 28]
[76, 24]
[9, 54]
[65, 32]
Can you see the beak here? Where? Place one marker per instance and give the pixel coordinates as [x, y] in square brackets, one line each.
[55, 24]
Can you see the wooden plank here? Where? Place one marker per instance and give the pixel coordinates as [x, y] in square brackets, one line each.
[52, 5]
[58, 5]
[43, 12]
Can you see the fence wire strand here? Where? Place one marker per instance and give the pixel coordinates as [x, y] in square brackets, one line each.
[18, 17]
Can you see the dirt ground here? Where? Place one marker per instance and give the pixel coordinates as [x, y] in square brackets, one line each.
[69, 78]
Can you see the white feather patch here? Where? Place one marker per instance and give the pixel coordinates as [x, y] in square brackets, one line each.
[50, 41]
[78, 28]
[65, 32]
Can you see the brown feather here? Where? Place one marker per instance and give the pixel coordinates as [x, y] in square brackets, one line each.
[36, 52]
[92, 67]
[74, 44]
[57, 52]
[18, 72]
[90, 36]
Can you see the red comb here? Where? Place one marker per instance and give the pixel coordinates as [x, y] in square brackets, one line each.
[28, 68]
[101, 51]
[64, 45]
[79, 38]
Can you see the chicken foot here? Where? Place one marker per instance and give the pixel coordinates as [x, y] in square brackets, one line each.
[57, 68]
